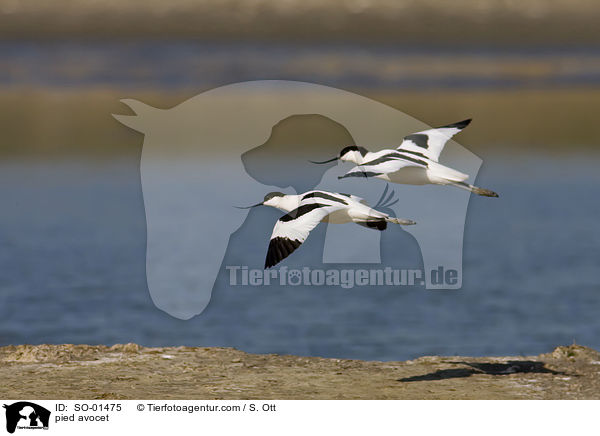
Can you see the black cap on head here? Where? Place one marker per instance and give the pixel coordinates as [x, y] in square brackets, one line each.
[273, 194]
[363, 151]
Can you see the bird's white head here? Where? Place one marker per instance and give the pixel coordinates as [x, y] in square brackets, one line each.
[274, 199]
[278, 200]
[352, 153]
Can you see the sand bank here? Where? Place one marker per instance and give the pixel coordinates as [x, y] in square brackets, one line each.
[78, 122]
[133, 372]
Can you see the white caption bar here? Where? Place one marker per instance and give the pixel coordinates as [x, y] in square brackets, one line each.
[271, 417]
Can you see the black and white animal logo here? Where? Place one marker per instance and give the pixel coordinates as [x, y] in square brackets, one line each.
[26, 415]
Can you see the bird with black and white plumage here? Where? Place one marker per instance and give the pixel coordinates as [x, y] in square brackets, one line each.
[414, 162]
[305, 211]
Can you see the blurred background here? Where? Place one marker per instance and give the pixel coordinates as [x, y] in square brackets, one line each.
[72, 224]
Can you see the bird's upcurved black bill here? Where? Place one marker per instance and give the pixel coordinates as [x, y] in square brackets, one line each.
[324, 162]
[248, 207]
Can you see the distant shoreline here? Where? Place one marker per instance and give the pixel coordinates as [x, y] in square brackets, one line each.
[461, 21]
[133, 372]
[548, 120]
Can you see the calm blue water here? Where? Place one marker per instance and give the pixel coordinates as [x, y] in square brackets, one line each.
[73, 258]
[202, 65]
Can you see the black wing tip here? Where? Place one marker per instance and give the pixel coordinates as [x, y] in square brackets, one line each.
[360, 174]
[458, 125]
[279, 249]
[380, 225]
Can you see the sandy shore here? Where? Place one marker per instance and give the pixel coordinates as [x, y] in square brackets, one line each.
[133, 372]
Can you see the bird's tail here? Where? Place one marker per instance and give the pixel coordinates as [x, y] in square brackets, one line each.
[400, 221]
[475, 189]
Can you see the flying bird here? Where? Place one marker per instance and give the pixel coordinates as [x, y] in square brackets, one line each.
[414, 162]
[305, 211]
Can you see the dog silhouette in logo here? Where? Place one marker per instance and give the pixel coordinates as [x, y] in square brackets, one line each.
[192, 174]
[26, 414]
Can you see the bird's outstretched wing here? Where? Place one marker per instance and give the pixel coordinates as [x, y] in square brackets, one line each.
[387, 164]
[292, 229]
[335, 197]
[355, 198]
[430, 143]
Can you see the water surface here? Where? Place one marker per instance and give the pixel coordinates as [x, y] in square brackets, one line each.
[72, 269]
